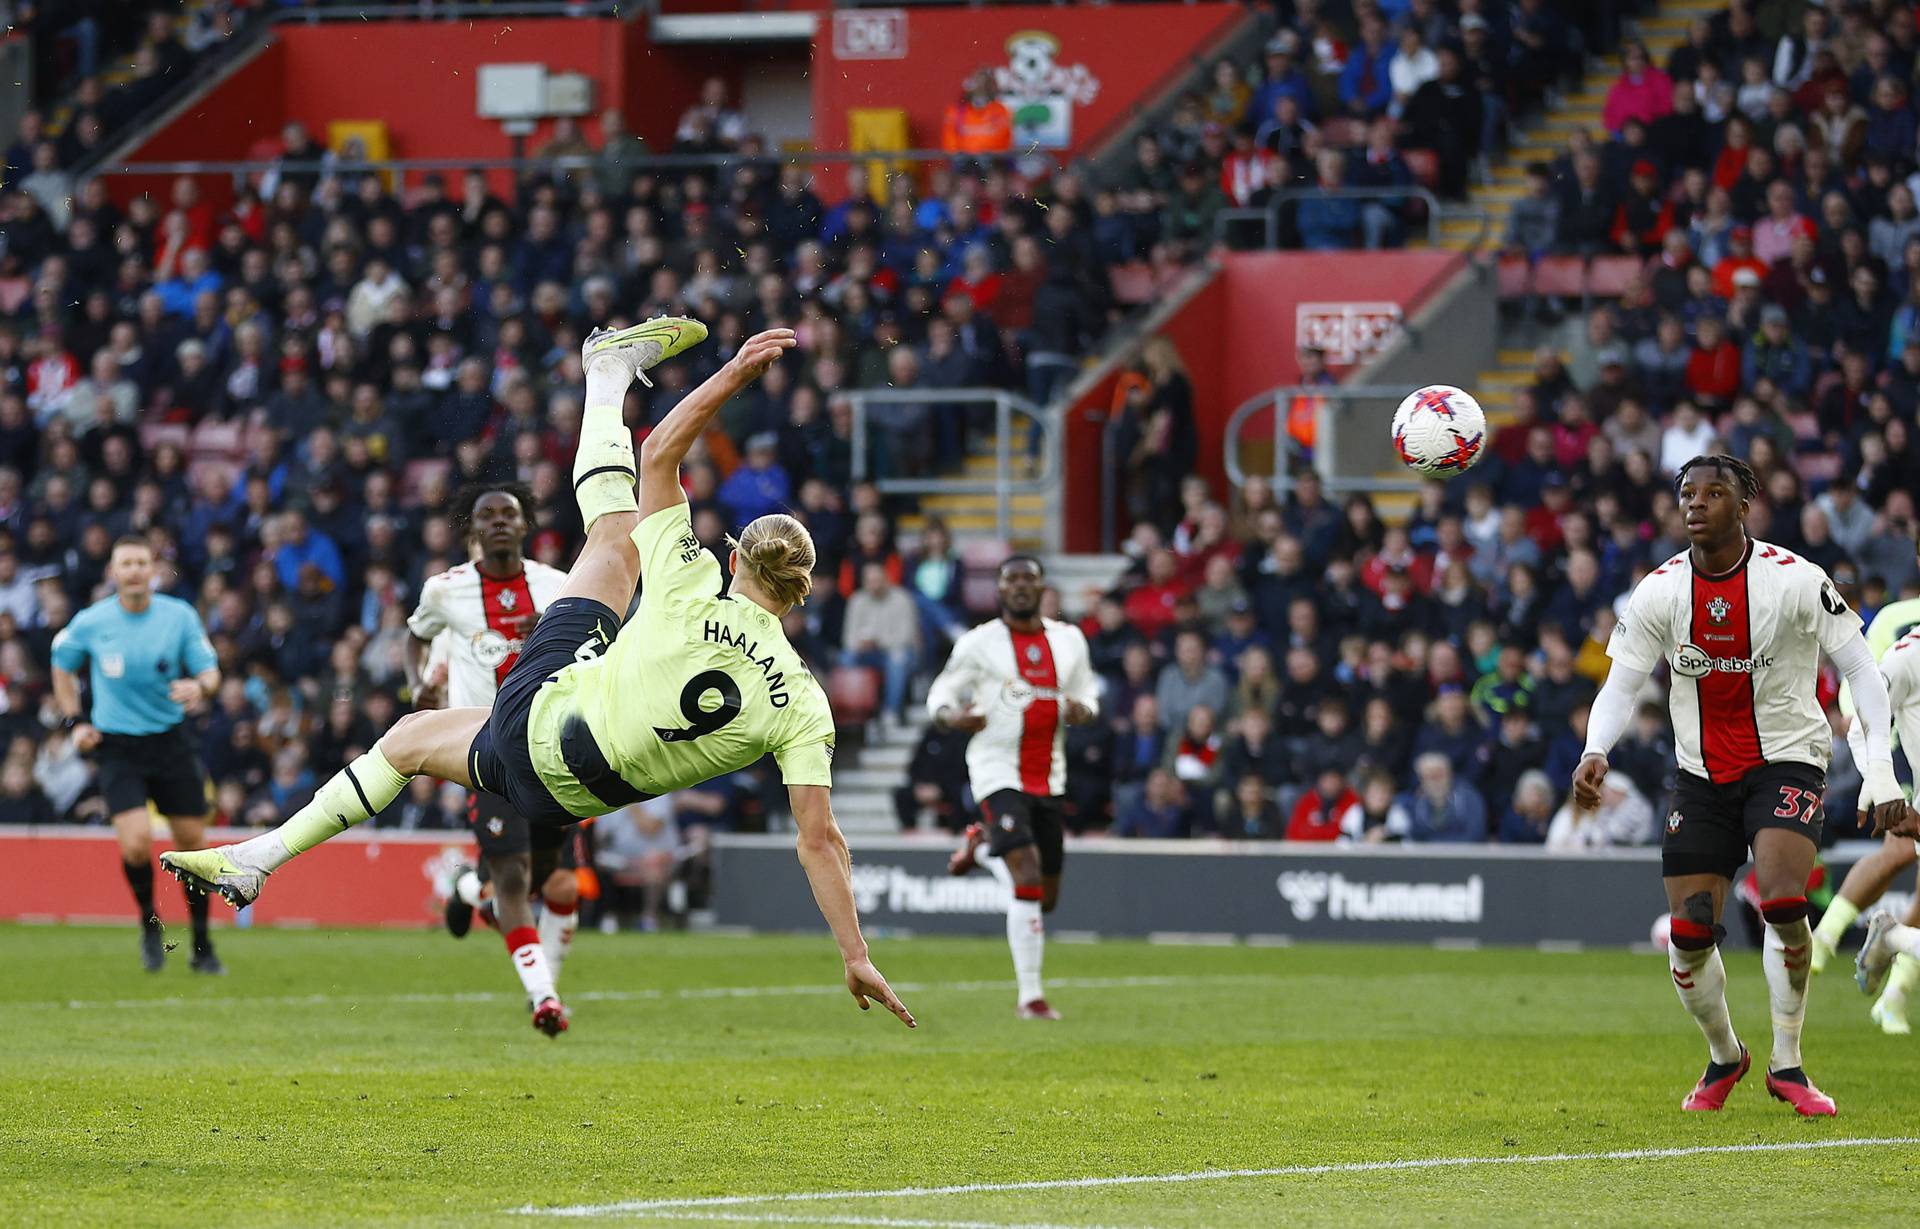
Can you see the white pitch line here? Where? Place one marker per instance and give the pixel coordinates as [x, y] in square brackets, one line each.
[883, 1222]
[634, 996]
[1212, 1175]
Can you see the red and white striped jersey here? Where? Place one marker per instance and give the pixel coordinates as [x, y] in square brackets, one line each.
[1017, 680]
[486, 620]
[1743, 648]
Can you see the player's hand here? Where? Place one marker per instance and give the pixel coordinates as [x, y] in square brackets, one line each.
[759, 353]
[1076, 713]
[968, 720]
[864, 982]
[432, 692]
[85, 737]
[187, 693]
[1586, 782]
[1908, 825]
[1881, 799]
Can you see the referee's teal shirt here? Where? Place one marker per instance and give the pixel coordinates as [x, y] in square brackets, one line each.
[134, 658]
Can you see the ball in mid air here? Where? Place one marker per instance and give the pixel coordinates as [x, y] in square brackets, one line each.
[1439, 430]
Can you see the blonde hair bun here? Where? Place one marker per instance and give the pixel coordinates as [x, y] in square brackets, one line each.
[776, 554]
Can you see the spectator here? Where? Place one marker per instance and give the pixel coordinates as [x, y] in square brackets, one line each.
[978, 123]
[1329, 222]
[1625, 817]
[1641, 92]
[1526, 821]
[1253, 816]
[1442, 808]
[1189, 682]
[1366, 82]
[1447, 116]
[760, 485]
[1156, 814]
[881, 631]
[1323, 812]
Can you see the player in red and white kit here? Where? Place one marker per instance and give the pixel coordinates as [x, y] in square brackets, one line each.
[1016, 683]
[1740, 625]
[479, 613]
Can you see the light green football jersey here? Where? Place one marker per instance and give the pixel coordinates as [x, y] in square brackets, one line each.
[1890, 622]
[694, 687]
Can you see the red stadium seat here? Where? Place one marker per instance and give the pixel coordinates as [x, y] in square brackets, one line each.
[215, 439]
[154, 434]
[1609, 276]
[1342, 131]
[1560, 275]
[853, 692]
[1817, 468]
[1424, 163]
[1132, 283]
[1512, 274]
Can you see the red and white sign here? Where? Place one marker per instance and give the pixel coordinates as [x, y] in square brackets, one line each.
[1072, 75]
[364, 878]
[1345, 332]
[869, 34]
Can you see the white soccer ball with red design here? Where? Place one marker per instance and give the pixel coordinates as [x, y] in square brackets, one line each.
[1440, 430]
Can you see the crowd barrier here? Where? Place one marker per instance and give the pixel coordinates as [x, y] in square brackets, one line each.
[364, 878]
[1494, 895]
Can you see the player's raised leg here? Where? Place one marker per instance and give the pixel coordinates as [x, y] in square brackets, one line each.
[1783, 860]
[431, 743]
[1693, 956]
[605, 477]
[1866, 882]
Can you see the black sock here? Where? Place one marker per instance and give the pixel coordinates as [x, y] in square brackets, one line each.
[197, 907]
[140, 879]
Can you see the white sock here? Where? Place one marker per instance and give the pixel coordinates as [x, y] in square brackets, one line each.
[556, 935]
[467, 888]
[997, 867]
[1027, 936]
[1701, 979]
[1905, 939]
[1785, 960]
[531, 963]
[604, 476]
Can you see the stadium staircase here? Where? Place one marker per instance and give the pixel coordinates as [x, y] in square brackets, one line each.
[1545, 137]
[863, 793]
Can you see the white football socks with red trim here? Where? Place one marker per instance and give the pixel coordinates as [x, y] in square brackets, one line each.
[531, 964]
[556, 927]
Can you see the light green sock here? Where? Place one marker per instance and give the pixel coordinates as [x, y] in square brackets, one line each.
[604, 477]
[1837, 920]
[1906, 971]
[356, 794]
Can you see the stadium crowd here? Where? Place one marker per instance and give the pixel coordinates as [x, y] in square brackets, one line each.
[284, 394]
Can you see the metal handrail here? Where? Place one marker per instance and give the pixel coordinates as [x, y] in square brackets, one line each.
[1269, 217]
[1002, 486]
[448, 10]
[1278, 398]
[333, 165]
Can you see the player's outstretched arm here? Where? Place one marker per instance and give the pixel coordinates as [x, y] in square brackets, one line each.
[823, 852]
[1606, 722]
[667, 444]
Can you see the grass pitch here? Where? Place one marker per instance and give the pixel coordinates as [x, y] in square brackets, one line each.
[365, 1078]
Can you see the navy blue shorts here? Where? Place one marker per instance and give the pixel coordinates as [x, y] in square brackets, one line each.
[572, 629]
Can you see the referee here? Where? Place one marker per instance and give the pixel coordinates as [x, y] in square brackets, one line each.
[149, 660]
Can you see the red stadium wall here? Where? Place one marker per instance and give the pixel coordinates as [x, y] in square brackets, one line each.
[1237, 339]
[1129, 50]
[420, 79]
[383, 879]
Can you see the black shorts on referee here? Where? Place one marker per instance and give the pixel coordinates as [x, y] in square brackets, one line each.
[162, 768]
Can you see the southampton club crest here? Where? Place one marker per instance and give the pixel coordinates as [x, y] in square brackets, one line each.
[1033, 654]
[1040, 91]
[508, 599]
[1718, 609]
[1673, 821]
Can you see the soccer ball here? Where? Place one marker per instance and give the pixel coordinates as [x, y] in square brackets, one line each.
[1439, 429]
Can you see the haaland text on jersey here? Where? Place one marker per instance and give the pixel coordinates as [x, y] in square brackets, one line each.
[776, 681]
